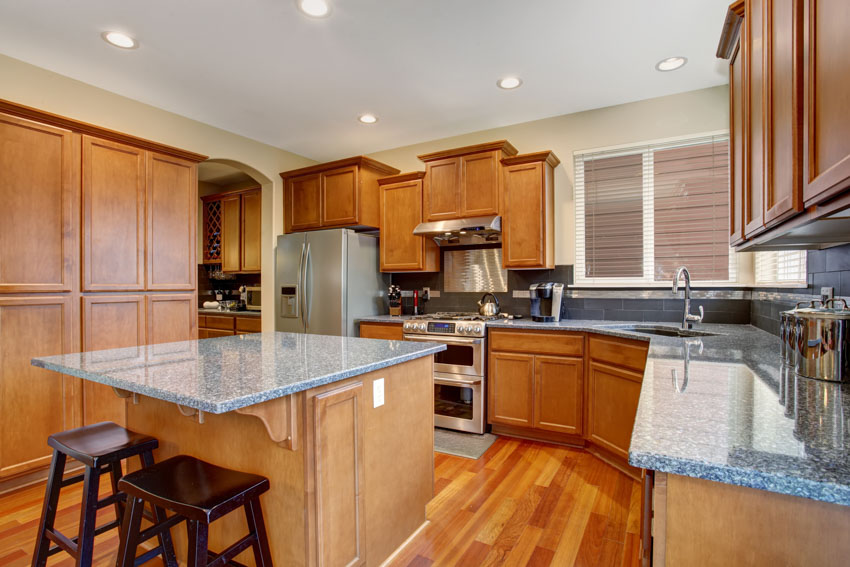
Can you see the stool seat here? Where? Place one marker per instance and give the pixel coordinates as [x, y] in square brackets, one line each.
[101, 443]
[193, 488]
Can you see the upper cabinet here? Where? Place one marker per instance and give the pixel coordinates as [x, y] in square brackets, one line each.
[232, 227]
[338, 194]
[464, 182]
[401, 211]
[39, 189]
[789, 118]
[528, 227]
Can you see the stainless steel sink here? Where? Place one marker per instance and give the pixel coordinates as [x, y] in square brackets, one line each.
[663, 330]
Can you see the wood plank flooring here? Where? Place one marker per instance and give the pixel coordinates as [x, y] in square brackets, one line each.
[522, 503]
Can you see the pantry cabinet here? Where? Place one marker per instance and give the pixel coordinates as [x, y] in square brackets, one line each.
[528, 224]
[171, 317]
[337, 194]
[464, 182]
[401, 211]
[239, 221]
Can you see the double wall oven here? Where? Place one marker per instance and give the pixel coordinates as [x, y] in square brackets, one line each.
[460, 383]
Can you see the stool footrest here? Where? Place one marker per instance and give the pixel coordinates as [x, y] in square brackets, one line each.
[157, 529]
[72, 480]
[111, 499]
[226, 556]
[62, 542]
[148, 555]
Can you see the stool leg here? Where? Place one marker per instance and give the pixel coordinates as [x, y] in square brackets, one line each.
[114, 476]
[198, 543]
[48, 511]
[169, 558]
[256, 525]
[128, 541]
[88, 517]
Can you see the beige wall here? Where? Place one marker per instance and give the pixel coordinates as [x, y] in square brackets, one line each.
[33, 86]
[694, 112]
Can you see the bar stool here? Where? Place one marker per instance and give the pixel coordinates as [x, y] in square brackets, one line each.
[198, 493]
[100, 447]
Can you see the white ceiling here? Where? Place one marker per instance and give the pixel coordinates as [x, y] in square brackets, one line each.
[426, 68]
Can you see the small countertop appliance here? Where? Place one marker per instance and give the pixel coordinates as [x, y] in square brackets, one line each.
[546, 299]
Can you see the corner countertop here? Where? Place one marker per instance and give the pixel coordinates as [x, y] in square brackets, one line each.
[227, 373]
[724, 408]
[246, 313]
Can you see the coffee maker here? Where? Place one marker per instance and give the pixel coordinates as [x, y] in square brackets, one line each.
[546, 301]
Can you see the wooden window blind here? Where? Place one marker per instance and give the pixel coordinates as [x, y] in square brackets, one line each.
[643, 211]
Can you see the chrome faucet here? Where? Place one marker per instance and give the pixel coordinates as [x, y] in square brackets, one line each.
[687, 319]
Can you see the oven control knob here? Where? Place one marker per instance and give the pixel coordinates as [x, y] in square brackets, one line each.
[477, 329]
[420, 327]
[407, 326]
[462, 330]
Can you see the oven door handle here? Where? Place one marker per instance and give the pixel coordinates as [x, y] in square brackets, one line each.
[456, 382]
[455, 340]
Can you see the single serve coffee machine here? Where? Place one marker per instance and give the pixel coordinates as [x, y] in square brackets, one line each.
[546, 301]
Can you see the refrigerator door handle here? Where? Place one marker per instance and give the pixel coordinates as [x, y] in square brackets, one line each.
[301, 285]
[308, 295]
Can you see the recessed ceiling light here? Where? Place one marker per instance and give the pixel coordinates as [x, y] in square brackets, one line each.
[119, 39]
[671, 63]
[367, 118]
[314, 8]
[509, 83]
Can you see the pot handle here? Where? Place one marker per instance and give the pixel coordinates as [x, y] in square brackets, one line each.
[495, 299]
[833, 300]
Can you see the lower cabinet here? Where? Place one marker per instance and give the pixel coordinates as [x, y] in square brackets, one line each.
[511, 389]
[34, 403]
[613, 395]
[558, 394]
[171, 317]
[212, 326]
[386, 331]
[109, 321]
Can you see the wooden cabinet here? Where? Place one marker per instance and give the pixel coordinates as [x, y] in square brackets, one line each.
[171, 317]
[386, 331]
[226, 325]
[401, 211]
[532, 388]
[34, 403]
[737, 163]
[464, 182]
[528, 227]
[172, 189]
[615, 375]
[113, 216]
[826, 67]
[109, 321]
[337, 194]
[240, 224]
[39, 189]
[754, 126]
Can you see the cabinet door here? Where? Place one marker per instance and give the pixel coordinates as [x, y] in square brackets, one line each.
[252, 224]
[339, 471]
[231, 232]
[754, 125]
[783, 44]
[304, 197]
[524, 223]
[386, 331]
[340, 197]
[172, 188]
[827, 99]
[171, 317]
[113, 216]
[401, 211]
[480, 184]
[510, 391]
[110, 321]
[34, 403]
[613, 397]
[39, 190]
[737, 142]
[558, 392]
[442, 189]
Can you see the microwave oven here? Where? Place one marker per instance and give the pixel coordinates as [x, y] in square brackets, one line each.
[254, 298]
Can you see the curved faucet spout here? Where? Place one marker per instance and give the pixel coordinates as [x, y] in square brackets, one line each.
[687, 318]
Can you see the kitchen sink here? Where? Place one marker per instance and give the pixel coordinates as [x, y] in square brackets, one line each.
[663, 330]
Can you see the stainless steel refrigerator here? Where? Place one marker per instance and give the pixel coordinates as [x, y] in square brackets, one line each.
[325, 280]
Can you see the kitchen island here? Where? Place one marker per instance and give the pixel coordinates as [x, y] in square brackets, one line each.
[342, 427]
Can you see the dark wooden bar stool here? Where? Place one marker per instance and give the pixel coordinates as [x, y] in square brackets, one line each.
[198, 493]
[101, 448]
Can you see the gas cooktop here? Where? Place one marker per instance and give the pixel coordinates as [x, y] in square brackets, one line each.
[455, 316]
[467, 324]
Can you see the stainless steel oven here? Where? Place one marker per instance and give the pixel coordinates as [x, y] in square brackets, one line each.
[460, 384]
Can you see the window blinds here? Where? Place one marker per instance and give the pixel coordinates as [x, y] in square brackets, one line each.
[643, 211]
[781, 267]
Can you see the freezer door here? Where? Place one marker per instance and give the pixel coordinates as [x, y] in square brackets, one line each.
[290, 259]
[324, 296]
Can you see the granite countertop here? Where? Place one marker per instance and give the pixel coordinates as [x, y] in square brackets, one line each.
[227, 373]
[723, 408]
[246, 313]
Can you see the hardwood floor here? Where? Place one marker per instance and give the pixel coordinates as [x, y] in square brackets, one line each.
[522, 503]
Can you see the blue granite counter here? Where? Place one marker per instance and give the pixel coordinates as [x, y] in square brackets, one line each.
[227, 373]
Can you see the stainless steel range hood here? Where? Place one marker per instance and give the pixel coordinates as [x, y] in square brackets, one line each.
[463, 232]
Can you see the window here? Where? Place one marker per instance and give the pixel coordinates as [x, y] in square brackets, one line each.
[643, 211]
[782, 267]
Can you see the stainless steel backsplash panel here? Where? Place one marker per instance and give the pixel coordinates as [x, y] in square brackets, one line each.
[477, 270]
